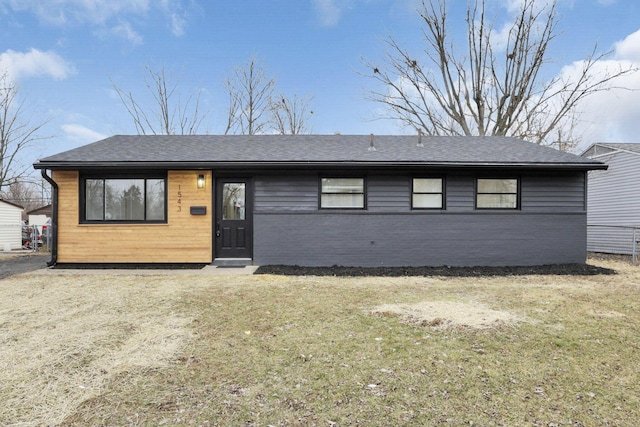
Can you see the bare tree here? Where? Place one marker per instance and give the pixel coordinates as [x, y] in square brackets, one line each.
[28, 193]
[17, 133]
[171, 114]
[490, 88]
[291, 116]
[250, 91]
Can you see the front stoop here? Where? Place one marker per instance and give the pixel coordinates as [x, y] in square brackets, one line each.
[232, 262]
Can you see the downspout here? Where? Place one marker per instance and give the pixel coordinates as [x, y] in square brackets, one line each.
[54, 218]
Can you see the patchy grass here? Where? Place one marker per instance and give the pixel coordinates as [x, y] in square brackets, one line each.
[448, 314]
[273, 350]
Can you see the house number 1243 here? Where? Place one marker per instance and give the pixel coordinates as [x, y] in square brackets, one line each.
[179, 198]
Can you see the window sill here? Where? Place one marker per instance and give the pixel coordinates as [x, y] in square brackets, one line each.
[121, 224]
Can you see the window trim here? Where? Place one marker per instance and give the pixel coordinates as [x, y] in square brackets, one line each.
[342, 176]
[517, 193]
[442, 193]
[122, 175]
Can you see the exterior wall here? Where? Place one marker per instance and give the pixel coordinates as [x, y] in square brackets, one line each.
[550, 228]
[405, 240]
[185, 238]
[289, 228]
[10, 226]
[614, 204]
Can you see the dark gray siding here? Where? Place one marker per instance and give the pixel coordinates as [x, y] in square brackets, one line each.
[549, 229]
[405, 240]
[286, 193]
[460, 192]
[554, 193]
[388, 193]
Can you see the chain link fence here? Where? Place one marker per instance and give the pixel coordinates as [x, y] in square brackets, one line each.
[23, 237]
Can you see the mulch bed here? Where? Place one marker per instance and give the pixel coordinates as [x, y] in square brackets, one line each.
[560, 269]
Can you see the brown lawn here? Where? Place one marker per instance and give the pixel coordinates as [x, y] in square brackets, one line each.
[193, 349]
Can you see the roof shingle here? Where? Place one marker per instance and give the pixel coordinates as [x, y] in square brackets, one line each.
[271, 150]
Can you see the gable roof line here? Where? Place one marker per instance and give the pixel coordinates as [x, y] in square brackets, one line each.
[12, 204]
[45, 207]
[616, 147]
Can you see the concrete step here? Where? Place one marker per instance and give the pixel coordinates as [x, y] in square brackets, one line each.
[232, 262]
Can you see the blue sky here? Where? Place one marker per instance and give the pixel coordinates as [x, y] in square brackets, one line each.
[63, 55]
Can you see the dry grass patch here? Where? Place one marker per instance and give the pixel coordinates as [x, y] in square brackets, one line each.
[447, 314]
[63, 342]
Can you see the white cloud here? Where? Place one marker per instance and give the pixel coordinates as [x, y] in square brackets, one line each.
[176, 14]
[609, 115]
[20, 65]
[82, 134]
[177, 24]
[328, 11]
[612, 115]
[126, 32]
[629, 48]
[62, 12]
[110, 16]
[500, 37]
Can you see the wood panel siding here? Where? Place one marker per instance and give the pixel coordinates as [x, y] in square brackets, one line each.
[185, 238]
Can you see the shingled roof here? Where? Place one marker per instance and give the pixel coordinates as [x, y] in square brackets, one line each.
[601, 148]
[268, 151]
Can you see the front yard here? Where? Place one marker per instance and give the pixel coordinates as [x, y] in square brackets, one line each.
[189, 349]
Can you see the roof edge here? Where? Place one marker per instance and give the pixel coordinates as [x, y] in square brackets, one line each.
[596, 165]
[15, 205]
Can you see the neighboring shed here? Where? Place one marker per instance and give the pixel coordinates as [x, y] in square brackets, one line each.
[10, 225]
[614, 198]
[39, 217]
[318, 200]
[43, 210]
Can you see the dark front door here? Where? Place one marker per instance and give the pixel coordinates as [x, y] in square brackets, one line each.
[234, 227]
